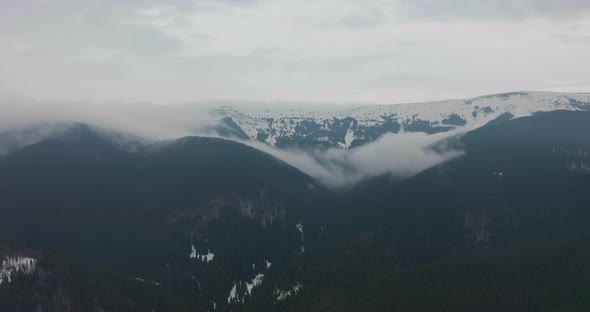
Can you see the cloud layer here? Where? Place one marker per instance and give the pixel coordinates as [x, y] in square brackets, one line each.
[497, 9]
[290, 50]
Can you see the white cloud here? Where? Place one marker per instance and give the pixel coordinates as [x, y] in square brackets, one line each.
[398, 155]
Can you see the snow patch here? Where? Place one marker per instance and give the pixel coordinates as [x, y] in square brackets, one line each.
[348, 139]
[284, 294]
[299, 227]
[579, 167]
[14, 265]
[257, 280]
[209, 256]
[234, 294]
[148, 282]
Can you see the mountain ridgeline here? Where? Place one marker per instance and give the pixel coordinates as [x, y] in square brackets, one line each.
[350, 127]
[206, 224]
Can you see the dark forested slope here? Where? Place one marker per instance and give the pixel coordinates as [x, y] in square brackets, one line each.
[218, 225]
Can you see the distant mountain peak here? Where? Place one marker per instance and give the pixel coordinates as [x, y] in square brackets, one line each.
[352, 127]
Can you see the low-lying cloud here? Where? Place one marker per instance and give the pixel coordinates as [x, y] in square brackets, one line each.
[400, 155]
[155, 122]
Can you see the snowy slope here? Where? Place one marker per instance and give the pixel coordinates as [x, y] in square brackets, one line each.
[351, 127]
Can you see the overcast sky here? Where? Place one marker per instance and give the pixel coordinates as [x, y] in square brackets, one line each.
[286, 50]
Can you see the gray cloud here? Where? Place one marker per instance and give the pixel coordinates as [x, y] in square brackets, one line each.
[72, 28]
[358, 20]
[573, 39]
[396, 79]
[503, 9]
[261, 50]
[339, 63]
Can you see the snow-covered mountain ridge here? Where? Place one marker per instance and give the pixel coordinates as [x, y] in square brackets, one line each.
[352, 127]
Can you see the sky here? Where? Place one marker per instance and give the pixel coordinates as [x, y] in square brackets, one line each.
[332, 51]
